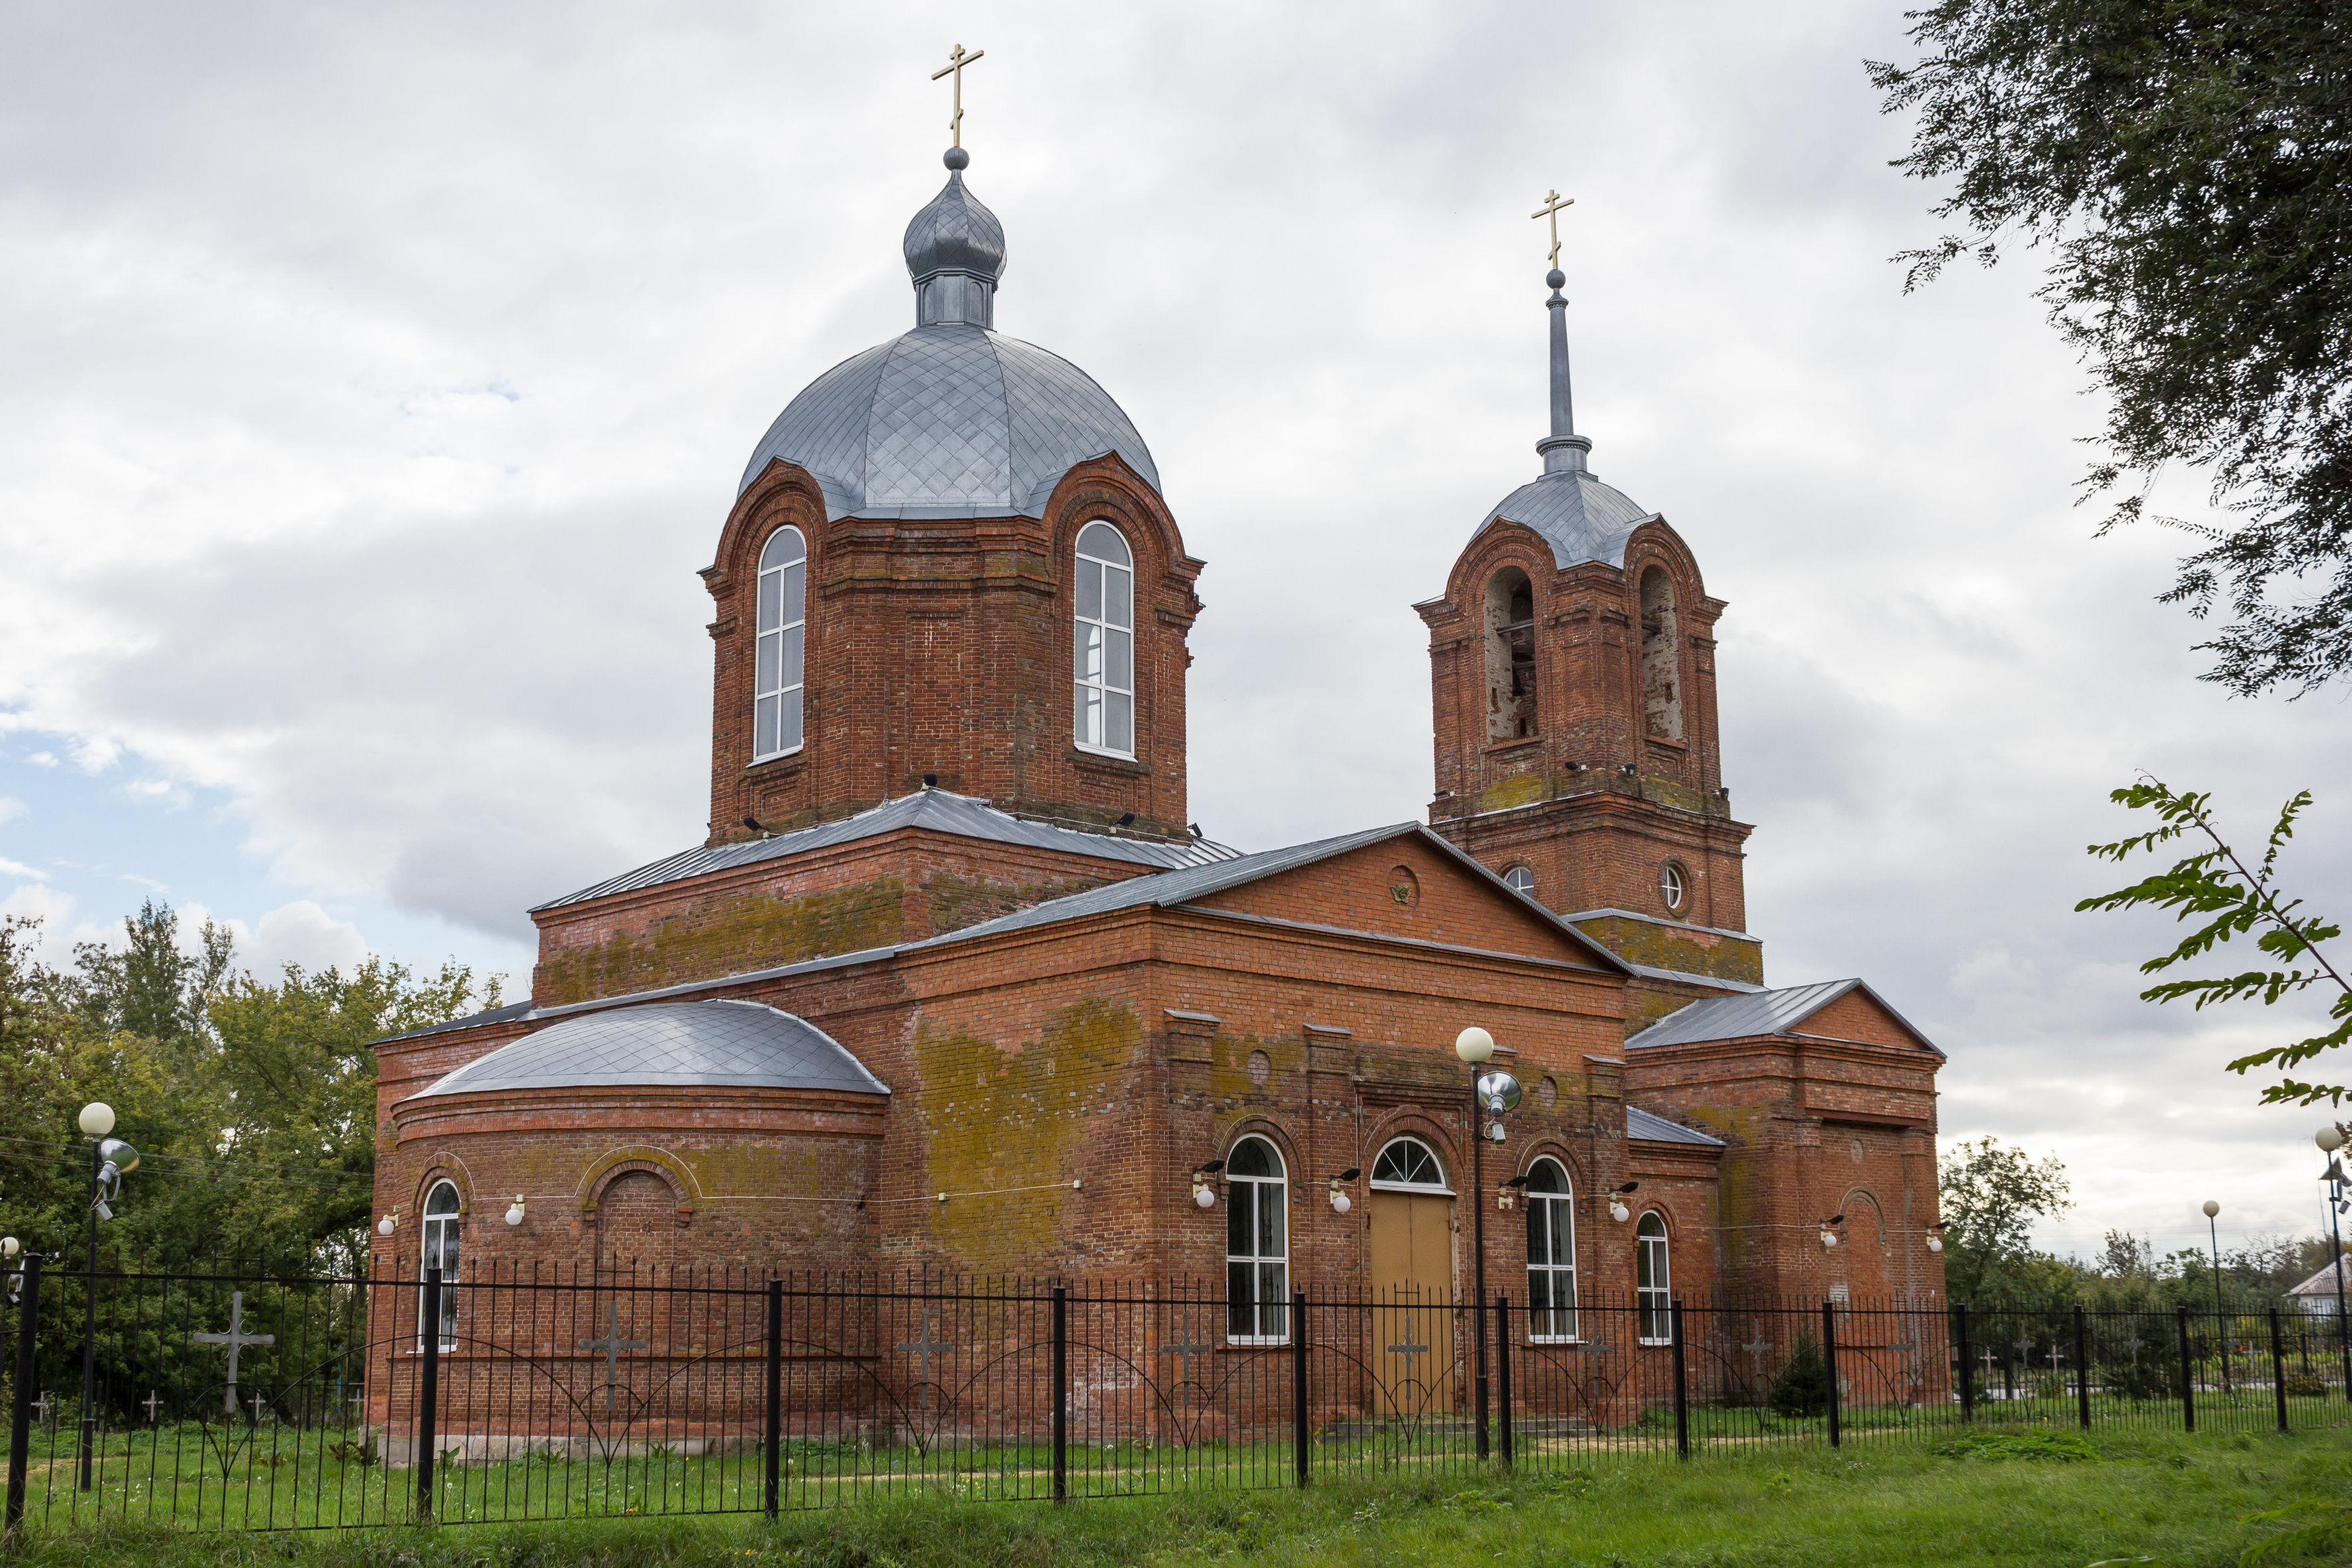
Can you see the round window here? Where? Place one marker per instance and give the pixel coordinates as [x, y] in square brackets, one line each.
[1674, 886]
[1519, 879]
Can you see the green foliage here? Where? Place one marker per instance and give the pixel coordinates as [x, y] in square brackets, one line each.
[2184, 164]
[1801, 1386]
[2070, 1447]
[2232, 900]
[1990, 1195]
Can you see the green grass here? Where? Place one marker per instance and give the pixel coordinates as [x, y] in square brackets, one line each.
[2006, 1497]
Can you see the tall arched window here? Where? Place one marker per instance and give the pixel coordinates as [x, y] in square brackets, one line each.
[1408, 1164]
[783, 615]
[1551, 1253]
[1510, 613]
[1103, 713]
[444, 1228]
[1661, 663]
[1257, 1244]
[1654, 1284]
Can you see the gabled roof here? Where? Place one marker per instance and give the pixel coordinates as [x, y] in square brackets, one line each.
[669, 1045]
[2324, 1282]
[937, 810]
[1171, 888]
[1758, 1014]
[1650, 1129]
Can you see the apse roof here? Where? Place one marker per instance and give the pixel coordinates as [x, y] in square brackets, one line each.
[938, 810]
[669, 1045]
[1757, 1014]
[1640, 1123]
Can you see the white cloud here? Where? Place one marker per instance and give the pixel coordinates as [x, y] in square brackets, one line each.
[18, 869]
[12, 808]
[299, 932]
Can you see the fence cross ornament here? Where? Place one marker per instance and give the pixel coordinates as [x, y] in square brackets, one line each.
[612, 1345]
[923, 1348]
[236, 1339]
[1184, 1349]
[1758, 1349]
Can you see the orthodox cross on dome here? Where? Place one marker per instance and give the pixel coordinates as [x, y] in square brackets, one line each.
[1553, 202]
[957, 60]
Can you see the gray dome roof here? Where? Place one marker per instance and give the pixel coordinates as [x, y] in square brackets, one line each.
[954, 419]
[669, 1045]
[1583, 519]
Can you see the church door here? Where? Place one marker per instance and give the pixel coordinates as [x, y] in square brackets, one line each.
[1412, 1282]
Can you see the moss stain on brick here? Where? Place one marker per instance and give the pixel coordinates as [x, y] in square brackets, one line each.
[954, 902]
[726, 935]
[1681, 948]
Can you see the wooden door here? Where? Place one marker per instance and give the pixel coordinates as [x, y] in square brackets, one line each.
[1412, 1302]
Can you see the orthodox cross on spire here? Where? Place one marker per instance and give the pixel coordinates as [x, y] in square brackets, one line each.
[1553, 202]
[957, 60]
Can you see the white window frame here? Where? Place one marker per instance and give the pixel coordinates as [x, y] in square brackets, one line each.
[443, 1235]
[1654, 1263]
[1672, 871]
[1520, 880]
[1258, 1209]
[1096, 642]
[1554, 1210]
[780, 646]
[1441, 1187]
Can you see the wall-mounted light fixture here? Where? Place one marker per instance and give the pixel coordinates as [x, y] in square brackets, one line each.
[1936, 1237]
[1204, 1189]
[388, 1224]
[1341, 1202]
[514, 1210]
[1829, 1235]
[1507, 1195]
[1617, 1209]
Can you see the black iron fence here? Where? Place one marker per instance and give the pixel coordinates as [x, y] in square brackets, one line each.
[241, 1399]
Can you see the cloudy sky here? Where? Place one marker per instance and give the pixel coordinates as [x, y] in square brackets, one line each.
[377, 377]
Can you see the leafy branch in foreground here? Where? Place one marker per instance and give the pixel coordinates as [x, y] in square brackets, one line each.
[2233, 900]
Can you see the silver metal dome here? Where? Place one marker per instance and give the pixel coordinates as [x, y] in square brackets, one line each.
[669, 1045]
[954, 419]
[1582, 518]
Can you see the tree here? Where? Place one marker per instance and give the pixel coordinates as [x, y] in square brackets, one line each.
[2234, 899]
[2184, 162]
[1991, 1195]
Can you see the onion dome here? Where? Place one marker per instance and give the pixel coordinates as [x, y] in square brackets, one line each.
[953, 420]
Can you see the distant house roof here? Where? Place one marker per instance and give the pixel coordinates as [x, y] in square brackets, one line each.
[669, 1045]
[939, 810]
[1640, 1123]
[1757, 1014]
[2324, 1282]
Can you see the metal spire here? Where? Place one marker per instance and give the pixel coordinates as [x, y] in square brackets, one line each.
[1563, 450]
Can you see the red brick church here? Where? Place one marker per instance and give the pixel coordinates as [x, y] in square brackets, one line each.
[951, 985]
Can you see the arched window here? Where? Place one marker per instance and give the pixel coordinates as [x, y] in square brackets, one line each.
[1674, 887]
[1407, 1165]
[1519, 879]
[1257, 1244]
[445, 1228]
[1654, 1284]
[1662, 665]
[1103, 713]
[783, 616]
[1551, 1253]
[1510, 613]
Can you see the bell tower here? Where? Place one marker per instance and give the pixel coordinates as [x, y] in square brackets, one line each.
[1572, 672]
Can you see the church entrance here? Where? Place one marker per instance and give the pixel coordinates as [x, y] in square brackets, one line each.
[1412, 1281]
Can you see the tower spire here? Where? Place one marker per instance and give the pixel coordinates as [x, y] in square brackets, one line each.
[1563, 450]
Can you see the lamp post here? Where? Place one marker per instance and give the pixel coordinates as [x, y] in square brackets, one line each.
[2330, 1140]
[1493, 1092]
[2221, 1324]
[109, 1160]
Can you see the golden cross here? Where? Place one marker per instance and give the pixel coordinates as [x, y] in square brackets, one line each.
[1553, 202]
[956, 62]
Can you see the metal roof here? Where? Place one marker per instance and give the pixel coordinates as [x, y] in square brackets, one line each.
[1756, 1014]
[937, 810]
[2324, 1282]
[1640, 1123]
[1582, 518]
[1691, 977]
[669, 1045]
[953, 420]
[508, 1014]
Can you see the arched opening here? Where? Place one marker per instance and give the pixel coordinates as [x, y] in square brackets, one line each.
[445, 1232]
[636, 1222]
[1510, 613]
[1103, 642]
[1412, 1277]
[1662, 665]
[1411, 1165]
[1653, 1282]
[783, 625]
[1551, 1252]
[1519, 879]
[1257, 1244]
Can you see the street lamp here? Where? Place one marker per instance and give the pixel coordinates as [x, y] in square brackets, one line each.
[110, 1160]
[2330, 1140]
[1491, 1093]
[2220, 1323]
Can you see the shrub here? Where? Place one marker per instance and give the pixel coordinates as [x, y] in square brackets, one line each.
[1801, 1386]
[2306, 1385]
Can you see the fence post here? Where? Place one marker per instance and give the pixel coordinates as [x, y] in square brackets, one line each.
[2082, 1370]
[20, 1415]
[1681, 1396]
[773, 1459]
[1829, 1364]
[2187, 1378]
[1298, 1379]
[2278, 1369]
[1503, 1371]
[1061, 1394]
[429, 1389]
[1967, 1367]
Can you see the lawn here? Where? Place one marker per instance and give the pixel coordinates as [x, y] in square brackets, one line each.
[2038, 1498]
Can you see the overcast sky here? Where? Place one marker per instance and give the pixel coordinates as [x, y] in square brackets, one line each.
[376, 378]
